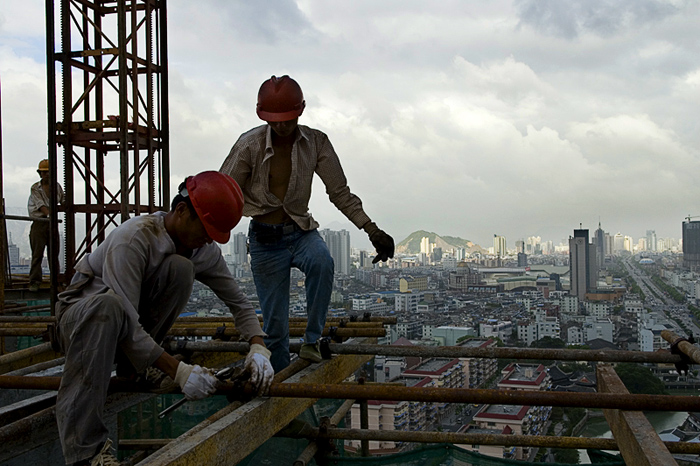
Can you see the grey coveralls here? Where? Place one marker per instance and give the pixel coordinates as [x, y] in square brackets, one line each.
[122, 300]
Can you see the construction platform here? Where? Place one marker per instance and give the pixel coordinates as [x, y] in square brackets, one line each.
[243, 425]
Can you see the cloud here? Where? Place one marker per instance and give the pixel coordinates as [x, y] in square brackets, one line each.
[466, 118]
[600, 17]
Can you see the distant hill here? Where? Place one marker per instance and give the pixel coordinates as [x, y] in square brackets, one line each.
[411, 245]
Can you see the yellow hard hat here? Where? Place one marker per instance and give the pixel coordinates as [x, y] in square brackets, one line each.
[44, 165]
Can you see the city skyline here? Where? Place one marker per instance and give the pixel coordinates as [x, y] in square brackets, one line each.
[516, 118]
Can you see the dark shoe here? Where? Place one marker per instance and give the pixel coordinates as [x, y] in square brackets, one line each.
[33, 287]
[310, 352]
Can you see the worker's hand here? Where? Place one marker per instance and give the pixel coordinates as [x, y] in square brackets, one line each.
[383, 243]
[196, 382]
[258, 364]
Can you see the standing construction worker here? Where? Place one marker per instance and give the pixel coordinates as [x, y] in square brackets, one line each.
[126, 295]
[39, 234]
[274, 164]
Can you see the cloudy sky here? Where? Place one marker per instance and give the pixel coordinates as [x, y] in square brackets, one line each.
[466, 118]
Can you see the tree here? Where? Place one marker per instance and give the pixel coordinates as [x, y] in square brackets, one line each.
[639, 379]
[566, 455]
[548, 342]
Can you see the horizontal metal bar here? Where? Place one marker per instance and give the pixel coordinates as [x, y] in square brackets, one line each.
[459, 352]
[27, 319]
[483, 396]
[489, 439]
[633, 402]
[293, 331]
[690, 350]
[27, 357]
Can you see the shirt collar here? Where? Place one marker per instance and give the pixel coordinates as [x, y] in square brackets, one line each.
[302, 134]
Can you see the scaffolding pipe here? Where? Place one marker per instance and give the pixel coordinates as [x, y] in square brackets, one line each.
[629, 402]
[293, 331]
[310, 451]
[488, 439]
[293, 321]
[690, 350]
[658, 357]
[42, 366]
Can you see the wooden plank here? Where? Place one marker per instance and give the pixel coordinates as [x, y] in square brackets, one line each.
[233, 437]
[638, 441]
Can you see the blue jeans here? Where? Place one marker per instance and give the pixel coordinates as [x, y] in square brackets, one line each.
[271, 263]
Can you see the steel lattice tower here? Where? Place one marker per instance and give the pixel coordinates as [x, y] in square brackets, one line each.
[108, 78]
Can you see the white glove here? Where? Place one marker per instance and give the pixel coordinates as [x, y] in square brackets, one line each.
[258, 364]
[196, 382]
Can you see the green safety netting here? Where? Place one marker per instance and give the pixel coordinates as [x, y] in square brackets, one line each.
[142, 422]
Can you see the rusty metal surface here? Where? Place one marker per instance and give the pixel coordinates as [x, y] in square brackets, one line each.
[312, 389]
[108, 113]
[639, 443]
[24, 408]
[293, 332]
[231, 438]
[690, 350]
[489, 439]
[27, 357]
[455, 352]
[485, 396]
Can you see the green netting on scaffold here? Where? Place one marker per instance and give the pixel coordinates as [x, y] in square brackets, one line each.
[442, 455]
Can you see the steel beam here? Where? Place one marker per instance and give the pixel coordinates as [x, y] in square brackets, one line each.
[639, 443]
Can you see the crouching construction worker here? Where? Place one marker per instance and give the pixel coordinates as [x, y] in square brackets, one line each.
[126, 295]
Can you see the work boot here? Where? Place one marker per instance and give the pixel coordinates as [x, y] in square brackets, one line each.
[310, 352]
[158, 381]
[104, 457]
[33, 287]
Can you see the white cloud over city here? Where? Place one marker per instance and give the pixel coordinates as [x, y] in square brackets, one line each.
[465, 118]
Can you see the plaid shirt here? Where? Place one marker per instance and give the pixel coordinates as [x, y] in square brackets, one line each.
[249, 164]
[38, 199]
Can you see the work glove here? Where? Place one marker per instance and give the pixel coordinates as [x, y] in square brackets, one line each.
[196, 382]
[258, 364]
[383, 243]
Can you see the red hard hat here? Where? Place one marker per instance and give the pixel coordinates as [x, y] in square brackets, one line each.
[280, 99]
[218, 201]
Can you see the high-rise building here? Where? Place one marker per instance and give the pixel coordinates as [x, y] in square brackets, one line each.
[499, 246]
[599, 241]
[339, 246]
[691, 245]
[522, 259]
[13, 252]
[582, 264]
[618, 243]
[651, 240]
[239, 249]
[520, 246]
[426, 247]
